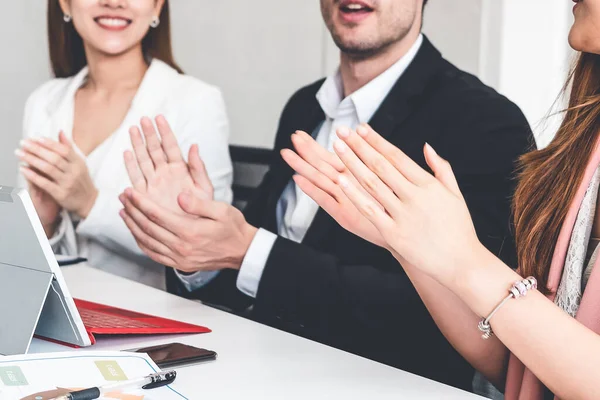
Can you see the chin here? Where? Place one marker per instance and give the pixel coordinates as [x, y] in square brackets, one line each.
[575, 40]
[114, 49]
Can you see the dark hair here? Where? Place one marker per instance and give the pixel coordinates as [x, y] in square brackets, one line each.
[549, 178]
[67, 54]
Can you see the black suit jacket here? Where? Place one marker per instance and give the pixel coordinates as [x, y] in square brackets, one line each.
[340, 290]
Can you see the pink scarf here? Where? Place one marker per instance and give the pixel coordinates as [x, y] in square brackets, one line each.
[521, 384]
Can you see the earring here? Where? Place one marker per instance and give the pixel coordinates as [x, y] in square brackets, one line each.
[67, 18]
[155, 22]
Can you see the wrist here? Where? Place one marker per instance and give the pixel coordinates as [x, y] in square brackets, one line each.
[87, 206]
[50, 227]
[483, 282]
[247, 236]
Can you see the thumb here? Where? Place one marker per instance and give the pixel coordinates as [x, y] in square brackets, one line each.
[62, 138]
[196, 206]
[198, 170]
[442, 170]
[188, 203]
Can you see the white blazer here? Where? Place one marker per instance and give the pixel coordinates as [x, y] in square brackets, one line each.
[195, 111]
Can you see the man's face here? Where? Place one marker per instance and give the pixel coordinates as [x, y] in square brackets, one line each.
[362, 28]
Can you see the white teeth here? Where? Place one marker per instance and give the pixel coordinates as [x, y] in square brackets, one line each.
[355, 6]
[112, 21]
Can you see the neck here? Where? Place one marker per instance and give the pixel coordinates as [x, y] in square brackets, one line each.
[115, 73]
[356, 72]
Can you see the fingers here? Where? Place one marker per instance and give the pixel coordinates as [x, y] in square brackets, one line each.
[368, 180]
[67, 145]
[38, 150]
[141, 153]
[155, 150]
[198, 170]
[59, 148]
[376, 162]
[305, 144]
[311, 152]
[153, 248]
[37, 164]
[404, 164]
[41, 182]
[150, 233]
[135, 174]
[168, 140]
[366, 206]
[315, 177]
[322, 198]
[158, 215]
[202, 208]
[442, 170]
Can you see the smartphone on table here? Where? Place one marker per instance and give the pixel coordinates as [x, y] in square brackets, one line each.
[177, 354]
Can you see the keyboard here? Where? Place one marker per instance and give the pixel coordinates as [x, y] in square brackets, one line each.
[98, 319]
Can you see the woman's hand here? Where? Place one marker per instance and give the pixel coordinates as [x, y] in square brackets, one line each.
[57, 169]
[425, 218]
[317, 174]
[158, 169]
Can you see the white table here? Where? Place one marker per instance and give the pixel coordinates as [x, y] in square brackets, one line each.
[255, 361]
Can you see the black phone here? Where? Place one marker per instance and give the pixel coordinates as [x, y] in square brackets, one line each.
[176, 354]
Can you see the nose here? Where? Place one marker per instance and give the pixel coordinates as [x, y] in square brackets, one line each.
[113, 3]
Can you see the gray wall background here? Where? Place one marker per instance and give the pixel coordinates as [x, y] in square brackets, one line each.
[258, 55]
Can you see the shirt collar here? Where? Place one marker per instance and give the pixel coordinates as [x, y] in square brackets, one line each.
[368, 98]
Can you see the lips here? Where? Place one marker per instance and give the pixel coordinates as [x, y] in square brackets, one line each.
[112, 22]
[355, 6]
[353, 12]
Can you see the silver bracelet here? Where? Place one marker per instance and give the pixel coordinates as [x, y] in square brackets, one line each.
[518, 289]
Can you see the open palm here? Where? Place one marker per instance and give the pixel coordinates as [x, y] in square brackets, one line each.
[317, 174]
[158, 169]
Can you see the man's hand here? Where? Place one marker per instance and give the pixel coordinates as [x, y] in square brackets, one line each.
[158, 169]
[212, 236]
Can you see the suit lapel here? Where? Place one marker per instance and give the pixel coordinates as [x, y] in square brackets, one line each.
[399, 104]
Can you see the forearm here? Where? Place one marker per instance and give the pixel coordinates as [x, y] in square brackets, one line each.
[540, 334]
[458, 324]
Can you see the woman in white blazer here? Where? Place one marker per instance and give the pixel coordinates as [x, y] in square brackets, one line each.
[114, 65]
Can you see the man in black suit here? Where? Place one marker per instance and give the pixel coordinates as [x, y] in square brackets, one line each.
[298, 269]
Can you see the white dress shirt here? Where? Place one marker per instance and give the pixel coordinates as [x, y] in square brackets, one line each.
[195, 111]
[295, 210]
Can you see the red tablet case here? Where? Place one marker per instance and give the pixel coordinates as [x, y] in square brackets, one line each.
[100, 319]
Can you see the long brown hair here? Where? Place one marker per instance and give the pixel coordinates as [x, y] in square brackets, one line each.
[67, 54]
[549, 178]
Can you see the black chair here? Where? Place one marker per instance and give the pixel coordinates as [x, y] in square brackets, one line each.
[250, 164]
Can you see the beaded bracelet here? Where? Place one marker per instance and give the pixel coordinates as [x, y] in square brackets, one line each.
[518, 289]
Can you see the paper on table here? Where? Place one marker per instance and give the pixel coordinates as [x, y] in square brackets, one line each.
[43, 374]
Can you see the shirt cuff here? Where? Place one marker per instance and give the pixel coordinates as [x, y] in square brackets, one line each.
[255, 261]
[64, 241]
[196, 280]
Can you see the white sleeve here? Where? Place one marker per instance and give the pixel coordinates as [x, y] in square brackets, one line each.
[64, 240]
[255, 261]
[104, 225]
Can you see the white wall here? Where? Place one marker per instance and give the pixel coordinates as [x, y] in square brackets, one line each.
[259, 55]
[529, 56]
